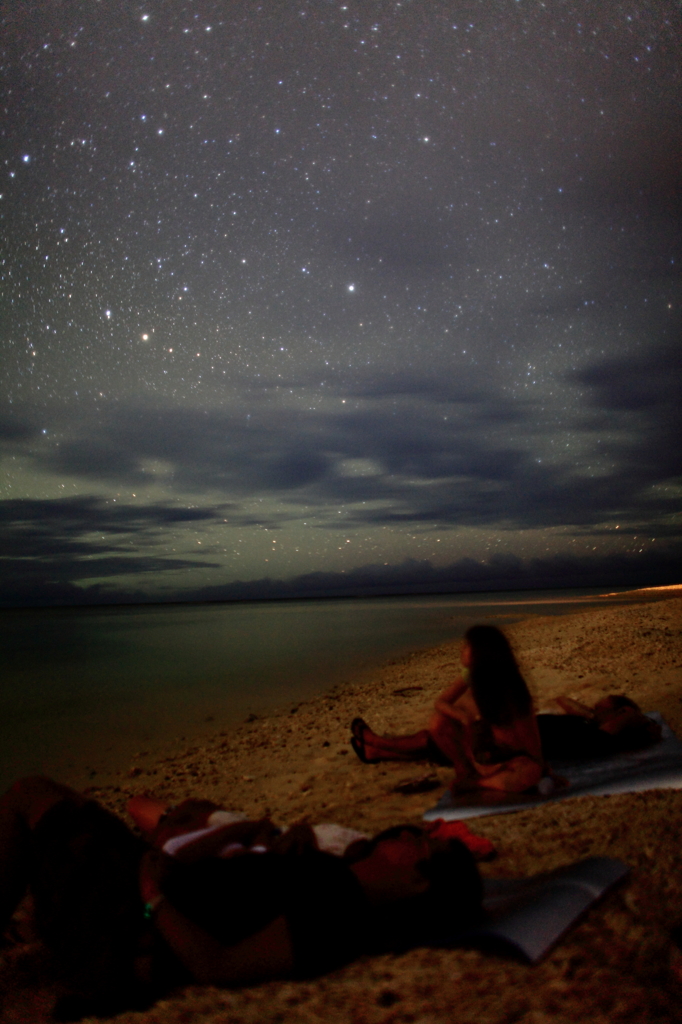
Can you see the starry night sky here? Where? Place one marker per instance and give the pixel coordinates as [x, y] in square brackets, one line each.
[318, 295]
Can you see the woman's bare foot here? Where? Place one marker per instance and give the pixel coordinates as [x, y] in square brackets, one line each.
[372, 748]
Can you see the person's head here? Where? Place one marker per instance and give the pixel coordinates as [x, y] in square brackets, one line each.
[498, 687]
[609, 706]
[622, 717]
[422, 888]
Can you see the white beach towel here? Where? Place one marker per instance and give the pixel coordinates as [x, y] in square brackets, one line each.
[525, 917]
[656, 767]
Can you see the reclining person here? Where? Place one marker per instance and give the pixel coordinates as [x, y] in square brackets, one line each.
[613, 726]
[236, 905]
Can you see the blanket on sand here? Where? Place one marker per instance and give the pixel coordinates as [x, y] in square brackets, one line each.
[655, 767]
[527, 916]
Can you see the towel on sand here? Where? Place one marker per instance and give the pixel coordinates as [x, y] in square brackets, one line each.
[527, 916]
[656, 767]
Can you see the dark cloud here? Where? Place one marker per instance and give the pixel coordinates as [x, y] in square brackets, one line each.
[47, 545]
[295, 455]
[463, 388]
[412, 576]
[63, 569]
[96, 459]
[72, 516]
[639, 393]
[501, 572]
[648, 381]
[13, 429]
[419, 451]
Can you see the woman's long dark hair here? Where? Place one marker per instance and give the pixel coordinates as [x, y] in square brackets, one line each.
[498, 687]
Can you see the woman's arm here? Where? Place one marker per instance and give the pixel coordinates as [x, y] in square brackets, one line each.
[158, 822]
[267, 954]
[574, 707]
[445, 703]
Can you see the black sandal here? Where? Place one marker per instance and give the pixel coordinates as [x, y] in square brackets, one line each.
[357, 727]
[357, 741]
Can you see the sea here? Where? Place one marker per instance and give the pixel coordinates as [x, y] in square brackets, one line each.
[84, 689]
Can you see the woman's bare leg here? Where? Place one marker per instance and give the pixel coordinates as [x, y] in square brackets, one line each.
[446, 734]
[146, 812]
[440, 743]
[414, 747]
[21, 808]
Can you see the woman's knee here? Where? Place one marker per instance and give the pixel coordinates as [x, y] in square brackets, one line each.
[440, 724]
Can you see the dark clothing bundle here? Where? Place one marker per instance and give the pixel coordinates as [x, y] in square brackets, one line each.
[572, 738]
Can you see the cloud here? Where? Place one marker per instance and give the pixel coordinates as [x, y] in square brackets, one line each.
[639, 393]
[14, 429]
[500, 573]
[27, 519]
[465, 387]
[645, 381]
[46, 545]
[434, 451]
[95, 458]
[60, 569]
[425, 425]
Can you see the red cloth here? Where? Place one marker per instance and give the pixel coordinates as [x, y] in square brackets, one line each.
[481, 847]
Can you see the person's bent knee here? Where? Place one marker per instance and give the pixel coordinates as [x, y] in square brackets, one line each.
[441, 725]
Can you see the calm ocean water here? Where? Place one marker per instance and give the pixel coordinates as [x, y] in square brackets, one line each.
[83, 689]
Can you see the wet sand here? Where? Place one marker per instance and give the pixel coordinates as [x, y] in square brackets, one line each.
[617, 965]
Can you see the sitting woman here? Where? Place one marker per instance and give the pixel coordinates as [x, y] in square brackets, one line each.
[483, 725]
[239, 902]
[614, 725]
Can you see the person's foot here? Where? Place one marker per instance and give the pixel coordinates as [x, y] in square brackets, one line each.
[358, 741]
[359, 727]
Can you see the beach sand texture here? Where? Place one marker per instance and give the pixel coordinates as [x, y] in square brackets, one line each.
[617, 965]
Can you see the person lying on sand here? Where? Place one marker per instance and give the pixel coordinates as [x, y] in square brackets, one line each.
[615, 724]
[235, 904]
[484, 724]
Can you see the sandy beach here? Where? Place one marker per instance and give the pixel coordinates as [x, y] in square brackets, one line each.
[617, 965]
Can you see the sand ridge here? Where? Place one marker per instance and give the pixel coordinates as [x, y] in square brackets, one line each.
[617, 965]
